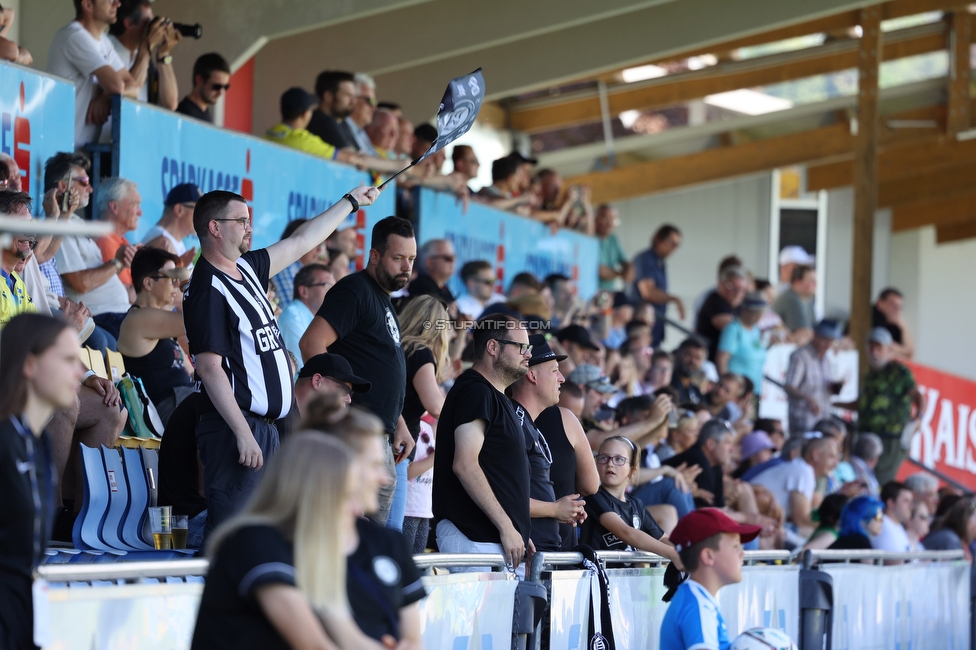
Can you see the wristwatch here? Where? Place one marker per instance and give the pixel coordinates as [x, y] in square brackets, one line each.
[353, 202]
[118, 265]
[165, 60]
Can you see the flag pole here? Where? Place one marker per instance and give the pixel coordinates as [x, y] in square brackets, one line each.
[415, 161]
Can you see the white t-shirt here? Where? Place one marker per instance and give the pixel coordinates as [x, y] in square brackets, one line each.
[129, 57]
[419, 502]
[785, 478]
[178, 245]
[75, 54]
[892, 538]
[80, 254]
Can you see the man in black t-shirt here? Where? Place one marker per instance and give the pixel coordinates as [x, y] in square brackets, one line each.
[436, 264]
[720, 306]
[532, 394]
[239, 354]
[710, 452]
[357, 321]
[481, 470]
[337, 95]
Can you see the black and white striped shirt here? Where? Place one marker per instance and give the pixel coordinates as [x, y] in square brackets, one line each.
[233, 318]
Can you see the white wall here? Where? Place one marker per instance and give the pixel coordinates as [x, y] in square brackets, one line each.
[838, 258]
[716, 219]
[940, 302]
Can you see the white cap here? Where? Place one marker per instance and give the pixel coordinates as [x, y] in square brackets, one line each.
[795, 255]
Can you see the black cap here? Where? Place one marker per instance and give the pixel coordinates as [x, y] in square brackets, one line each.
[621, 299]
[334, 367]
[576, 334]
[295, 101]
[517, 155]
[541, 352]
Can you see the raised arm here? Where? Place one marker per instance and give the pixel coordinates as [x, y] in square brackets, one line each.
[315, 231]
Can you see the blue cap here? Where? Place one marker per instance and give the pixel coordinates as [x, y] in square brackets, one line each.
[828, 329]
[183, 193]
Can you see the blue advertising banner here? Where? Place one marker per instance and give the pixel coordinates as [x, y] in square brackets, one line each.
[511, 243]
[37, 120]
[159, 150]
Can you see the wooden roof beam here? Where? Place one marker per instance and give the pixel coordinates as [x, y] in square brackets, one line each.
[955, 232]
[939, 211]
[578, 108]
[926, 186]
[714, 164]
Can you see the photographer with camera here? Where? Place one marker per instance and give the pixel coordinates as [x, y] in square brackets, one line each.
[145, 41]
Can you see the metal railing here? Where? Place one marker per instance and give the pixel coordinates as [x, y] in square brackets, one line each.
[428, 561]
[122, 570]
[815, 557]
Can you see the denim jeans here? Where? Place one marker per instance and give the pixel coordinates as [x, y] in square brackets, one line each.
[452, 540]
[665, 491]
[194, 533]
[399, 506]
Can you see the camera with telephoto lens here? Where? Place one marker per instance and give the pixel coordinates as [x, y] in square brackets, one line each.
[190, 31]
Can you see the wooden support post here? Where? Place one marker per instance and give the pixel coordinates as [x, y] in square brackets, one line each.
[960, 42]
[865, 176]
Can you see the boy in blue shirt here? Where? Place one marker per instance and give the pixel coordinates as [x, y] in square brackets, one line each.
[710, 546]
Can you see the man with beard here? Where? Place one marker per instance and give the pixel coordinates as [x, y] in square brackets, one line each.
[357, 321]
[481, 470]
[336, 91]
[239, 353]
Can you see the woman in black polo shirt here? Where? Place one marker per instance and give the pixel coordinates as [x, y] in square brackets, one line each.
[41, 372]
[277, 579]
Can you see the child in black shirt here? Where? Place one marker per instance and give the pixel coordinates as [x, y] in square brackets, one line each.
[616, 521]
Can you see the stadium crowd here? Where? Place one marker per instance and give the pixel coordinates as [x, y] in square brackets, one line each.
[556, 420]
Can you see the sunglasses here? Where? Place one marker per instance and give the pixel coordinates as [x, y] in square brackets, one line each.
[618, 461]
[31, 242]
[484, 281]
[219, 87]
[446, 258]
[83, 181]
[369, 100]
[174, 281]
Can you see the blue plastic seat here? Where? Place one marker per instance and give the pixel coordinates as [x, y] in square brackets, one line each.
[118, 500]
[136, 517]
[94, 505]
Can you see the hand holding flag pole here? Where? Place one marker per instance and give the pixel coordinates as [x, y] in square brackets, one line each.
[458, 110]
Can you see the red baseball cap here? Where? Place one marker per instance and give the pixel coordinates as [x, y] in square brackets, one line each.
[701, 524]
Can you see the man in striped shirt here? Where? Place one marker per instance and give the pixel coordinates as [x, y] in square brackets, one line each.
[239, 353]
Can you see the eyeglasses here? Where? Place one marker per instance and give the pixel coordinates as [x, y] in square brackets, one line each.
[318, 284]
[219, 87]
[524, 348]
[174, 281]
[446, 258]
[369, 100]
[83, 181]
[243, 221]
[618, 461]
[485, 281]
[879, 516]
[31, 243]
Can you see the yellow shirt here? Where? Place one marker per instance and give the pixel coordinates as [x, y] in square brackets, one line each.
[14, 302]
[300, 139]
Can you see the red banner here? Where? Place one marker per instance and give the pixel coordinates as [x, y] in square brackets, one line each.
[946, 439]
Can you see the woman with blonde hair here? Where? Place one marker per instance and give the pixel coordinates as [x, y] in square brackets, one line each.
[383, 583]
[278, 571]
[426, 331]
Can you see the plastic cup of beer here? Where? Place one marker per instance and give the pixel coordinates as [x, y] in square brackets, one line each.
[161, 523]
[181, 525]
